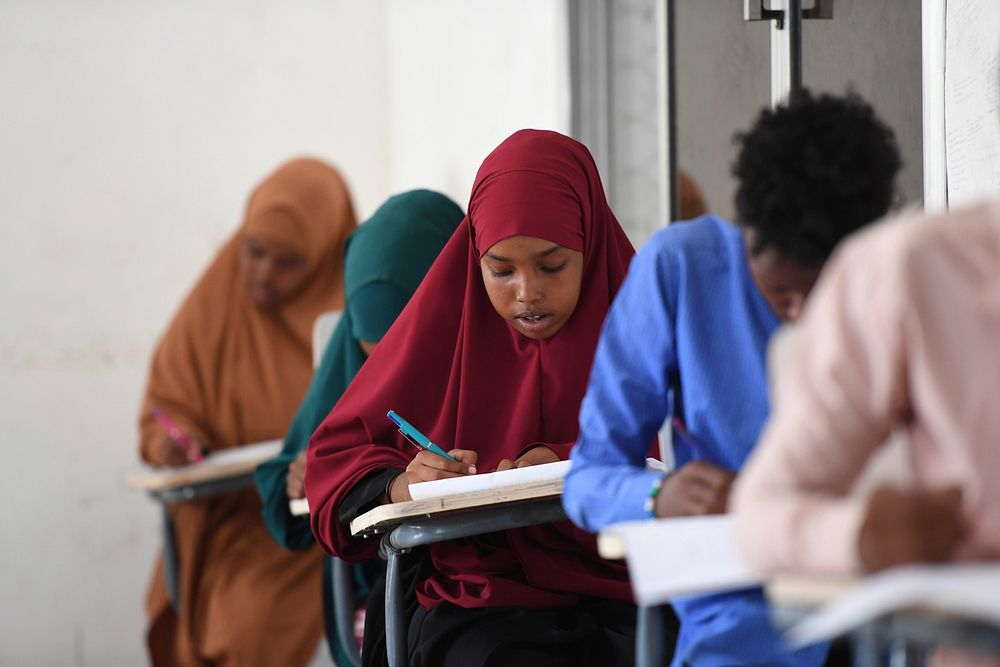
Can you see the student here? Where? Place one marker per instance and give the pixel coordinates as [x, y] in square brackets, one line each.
[902, 332]
[490, 359]
[385, 260]
[687, 334]
[231, 370]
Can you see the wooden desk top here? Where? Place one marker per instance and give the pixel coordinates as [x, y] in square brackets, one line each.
[226, 463]
[380, 519]
[806, 591]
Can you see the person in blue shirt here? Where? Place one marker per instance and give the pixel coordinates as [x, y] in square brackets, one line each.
[686, 336]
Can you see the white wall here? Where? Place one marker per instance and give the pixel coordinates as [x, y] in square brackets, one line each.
[131, 133]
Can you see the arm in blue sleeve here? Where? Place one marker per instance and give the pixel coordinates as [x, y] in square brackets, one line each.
[627, 399]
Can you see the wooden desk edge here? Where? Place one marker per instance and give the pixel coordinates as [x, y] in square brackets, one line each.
[799, 590]
[158, 481]
[378, 519]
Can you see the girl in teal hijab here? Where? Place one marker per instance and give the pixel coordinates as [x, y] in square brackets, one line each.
[385, 260]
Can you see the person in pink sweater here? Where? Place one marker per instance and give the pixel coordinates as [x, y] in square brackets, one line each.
[902, 332]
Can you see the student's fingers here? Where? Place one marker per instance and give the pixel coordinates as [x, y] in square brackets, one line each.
[910, 526]
[536, 456]
[505, 464]
[701, 500]
[712, 476]
[168, 453]
[427, 466]
[295, 480]
[467, 456]
[295, 486]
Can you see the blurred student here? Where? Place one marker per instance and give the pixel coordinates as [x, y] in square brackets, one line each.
[902, 332]
[686, 339]
[231, 370]
[385, 260]
[490, 361]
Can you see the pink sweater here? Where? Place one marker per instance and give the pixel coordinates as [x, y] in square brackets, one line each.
[903, 329]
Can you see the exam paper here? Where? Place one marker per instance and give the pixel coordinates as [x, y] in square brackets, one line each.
[683, 556]
[486, 481]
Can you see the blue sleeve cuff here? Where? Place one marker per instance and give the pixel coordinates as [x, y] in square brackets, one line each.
[598, 495]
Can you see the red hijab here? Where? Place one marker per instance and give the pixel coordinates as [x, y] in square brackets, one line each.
[462, 375]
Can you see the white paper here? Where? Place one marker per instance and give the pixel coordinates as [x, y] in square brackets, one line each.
[220, 459]
[972, 100]
[683, 556]
[486, 481]
[967, 590]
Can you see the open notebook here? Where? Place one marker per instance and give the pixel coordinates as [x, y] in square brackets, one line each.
[967, 590]
[682, 556]
[491, 480]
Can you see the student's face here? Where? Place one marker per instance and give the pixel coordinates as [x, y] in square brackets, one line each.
[784, 283]
[532, 283]
[273, 273]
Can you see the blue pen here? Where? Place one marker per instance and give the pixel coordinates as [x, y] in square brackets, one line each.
[698, 452]
[415, 436]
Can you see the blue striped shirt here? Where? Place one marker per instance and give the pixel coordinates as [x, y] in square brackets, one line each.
[688, 328]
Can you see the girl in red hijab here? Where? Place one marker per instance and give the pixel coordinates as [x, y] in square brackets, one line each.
[491, 358]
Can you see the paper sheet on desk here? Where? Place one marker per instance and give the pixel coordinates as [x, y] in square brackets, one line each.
[219, 462]
[487, 481]
[683, 556]
[967, 590]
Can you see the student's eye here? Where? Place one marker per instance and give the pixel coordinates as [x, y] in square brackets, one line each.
[554, 269]
[500, 274]
[255, 252]
[289, 262]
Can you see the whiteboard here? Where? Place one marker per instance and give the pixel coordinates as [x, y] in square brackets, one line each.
[961, 101]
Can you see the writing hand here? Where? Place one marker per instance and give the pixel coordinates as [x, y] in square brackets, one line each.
[295, 483]
[696, 488]
[533, 457]
[907, 526]
[427, 466]
[167, 453]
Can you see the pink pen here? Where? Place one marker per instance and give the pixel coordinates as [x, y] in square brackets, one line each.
[177, 435]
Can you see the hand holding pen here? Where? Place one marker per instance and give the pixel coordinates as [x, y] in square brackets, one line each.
[430, 463]
[176, 448]
[698, 487]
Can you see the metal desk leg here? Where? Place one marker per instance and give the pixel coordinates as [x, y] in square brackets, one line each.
[649, 638]
[395, 616]
[170, 559]
[867, 646]
[343, 608]
[906, 654]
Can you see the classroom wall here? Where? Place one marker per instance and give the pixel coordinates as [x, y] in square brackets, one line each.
[132, 132]
[723, 78]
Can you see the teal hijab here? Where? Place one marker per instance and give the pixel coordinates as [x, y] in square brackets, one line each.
[384, 261]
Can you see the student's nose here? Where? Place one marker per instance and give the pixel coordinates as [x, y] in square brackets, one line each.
[265, 270]
[796, 304]
[528, 290]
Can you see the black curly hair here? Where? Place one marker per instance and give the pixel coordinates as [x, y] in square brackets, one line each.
[812, 171]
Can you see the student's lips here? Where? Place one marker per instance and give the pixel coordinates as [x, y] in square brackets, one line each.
[534, 321]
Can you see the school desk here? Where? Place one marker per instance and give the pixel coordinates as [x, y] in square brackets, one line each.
[897, 616]
[405, 526]
[223, 471]
[708, 561]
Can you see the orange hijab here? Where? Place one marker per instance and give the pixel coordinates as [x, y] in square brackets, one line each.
[228, 372]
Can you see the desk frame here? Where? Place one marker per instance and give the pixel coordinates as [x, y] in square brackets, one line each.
[406, 526]
[186, 493]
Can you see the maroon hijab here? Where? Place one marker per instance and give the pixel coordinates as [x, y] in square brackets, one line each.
[462, 375]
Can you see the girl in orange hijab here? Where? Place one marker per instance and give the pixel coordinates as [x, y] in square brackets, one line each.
[231, 370]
